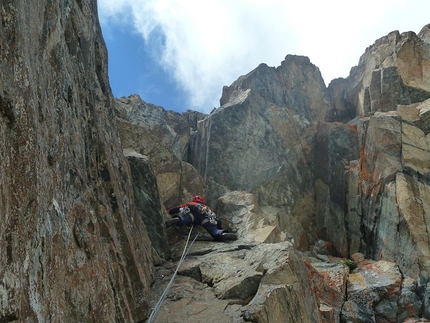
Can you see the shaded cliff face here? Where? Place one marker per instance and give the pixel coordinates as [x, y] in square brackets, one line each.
[72, 245]
[162, 136]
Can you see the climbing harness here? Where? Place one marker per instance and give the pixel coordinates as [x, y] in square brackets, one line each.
[184, 210]
[212, 217]
[163, 296]
[209, 215]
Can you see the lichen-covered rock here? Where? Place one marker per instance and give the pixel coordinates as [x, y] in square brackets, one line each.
[374, 293]
[410, 303]
[413, 251]
[328, 282]
[393, 188]
[72, 245]
[384, 191]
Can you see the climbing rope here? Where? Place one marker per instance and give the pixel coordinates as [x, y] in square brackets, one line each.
[163, 296]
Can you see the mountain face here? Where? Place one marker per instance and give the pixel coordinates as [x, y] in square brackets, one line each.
[345, 166]
[328, 188]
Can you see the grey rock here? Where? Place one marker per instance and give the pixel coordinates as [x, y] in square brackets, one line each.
[250, 142]
[177, 180]
[147, 201]
[336, 146]
[249, 278]
[73, 246]
[372, 293]
[242, 215]
[390, 72]
[410, 303]
[171, 129]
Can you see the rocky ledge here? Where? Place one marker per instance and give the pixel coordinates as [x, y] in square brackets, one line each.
[263, 278]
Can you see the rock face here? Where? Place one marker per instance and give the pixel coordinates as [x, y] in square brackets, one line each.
[377, 293]
[260, 134]
[72, 245]
[387, 185]
[171, 129]
[336, 146]
[261, 138]
[162, 137]
[394, 70]
[148, 204]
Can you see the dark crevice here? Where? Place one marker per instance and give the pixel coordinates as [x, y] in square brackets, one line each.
[9, 253]
[9, 318]
[6, 110]
[104, 174]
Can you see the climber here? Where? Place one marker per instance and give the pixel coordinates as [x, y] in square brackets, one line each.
[197, 213]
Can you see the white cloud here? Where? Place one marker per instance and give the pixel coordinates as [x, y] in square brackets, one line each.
[208, 44]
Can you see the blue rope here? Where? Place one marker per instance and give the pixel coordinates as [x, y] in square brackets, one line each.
[163, 297]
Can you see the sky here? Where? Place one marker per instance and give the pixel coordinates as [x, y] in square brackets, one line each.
[180, 53]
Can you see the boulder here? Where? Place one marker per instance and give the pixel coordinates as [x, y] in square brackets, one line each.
[241, 214]
[328, 281]
[376, 292]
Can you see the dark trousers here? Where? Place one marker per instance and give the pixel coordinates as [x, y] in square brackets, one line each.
[211, 228]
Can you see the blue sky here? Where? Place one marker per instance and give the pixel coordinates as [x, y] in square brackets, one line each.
[134, 69]
[180, 53]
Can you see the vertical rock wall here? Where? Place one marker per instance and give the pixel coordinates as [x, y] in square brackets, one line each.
[348, 181]
[388, 184]
[395, 173]
[336, 145]
[71, 243]
[261, 138]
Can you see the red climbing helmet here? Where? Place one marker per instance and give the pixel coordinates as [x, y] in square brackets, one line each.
[199, 199]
